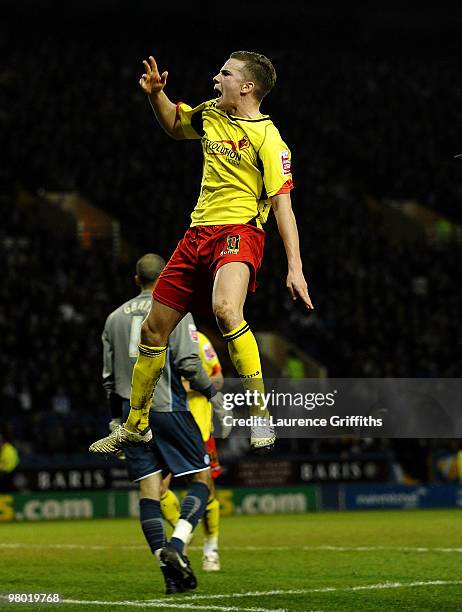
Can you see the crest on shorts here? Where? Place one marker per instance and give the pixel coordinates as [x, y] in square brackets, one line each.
[232, 243]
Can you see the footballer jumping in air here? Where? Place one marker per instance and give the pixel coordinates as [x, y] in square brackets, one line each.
[247, 170]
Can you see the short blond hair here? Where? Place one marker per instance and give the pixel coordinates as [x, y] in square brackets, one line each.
[259, 69]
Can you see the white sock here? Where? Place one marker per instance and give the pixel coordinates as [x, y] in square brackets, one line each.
[182, 530]
[211, 545]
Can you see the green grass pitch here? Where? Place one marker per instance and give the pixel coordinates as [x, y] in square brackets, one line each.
[394, 560]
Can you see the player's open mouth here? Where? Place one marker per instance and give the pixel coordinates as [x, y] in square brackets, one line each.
[218, 93]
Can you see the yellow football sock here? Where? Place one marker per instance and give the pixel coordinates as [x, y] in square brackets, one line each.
[212, 518]
[170, 507]
[243, 350]
[146, 373]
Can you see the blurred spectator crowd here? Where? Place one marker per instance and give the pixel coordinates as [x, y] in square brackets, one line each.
[54, 299]
[73, 118]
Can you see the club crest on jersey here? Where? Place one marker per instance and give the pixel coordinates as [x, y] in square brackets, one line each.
[285, 162]
[232, 245]
[244, 143]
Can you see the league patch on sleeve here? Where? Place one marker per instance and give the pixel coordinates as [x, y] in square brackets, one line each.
[193, 332]
[209, 352]
[285, 162]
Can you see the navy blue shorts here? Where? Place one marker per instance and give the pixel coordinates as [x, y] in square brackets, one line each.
[176, 447]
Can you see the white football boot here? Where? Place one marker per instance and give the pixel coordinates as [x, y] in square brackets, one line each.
[113, 443]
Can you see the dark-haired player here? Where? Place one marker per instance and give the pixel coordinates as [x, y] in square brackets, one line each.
[177, 447]
[247, 170]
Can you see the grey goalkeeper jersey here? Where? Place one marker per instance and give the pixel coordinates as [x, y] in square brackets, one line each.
[121, 337]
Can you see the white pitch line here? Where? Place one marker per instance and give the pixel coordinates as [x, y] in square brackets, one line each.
[362, 587]
[164, 604]
[325, 548]
[63, 546]
[183, 601]
[418, 549]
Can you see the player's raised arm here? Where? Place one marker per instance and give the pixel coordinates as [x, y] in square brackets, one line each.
[287, 226]
[153, 83]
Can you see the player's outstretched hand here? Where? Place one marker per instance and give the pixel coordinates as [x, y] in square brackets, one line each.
[298, 288]
[152, 82]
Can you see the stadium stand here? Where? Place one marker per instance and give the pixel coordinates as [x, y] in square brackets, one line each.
[371, 125]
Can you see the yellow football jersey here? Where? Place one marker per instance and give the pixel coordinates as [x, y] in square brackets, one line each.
[9, 457]
[199, 405]
[246, 162]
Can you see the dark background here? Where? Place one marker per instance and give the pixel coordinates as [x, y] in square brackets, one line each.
[369, 100]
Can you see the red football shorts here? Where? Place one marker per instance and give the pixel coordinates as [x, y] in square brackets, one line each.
[187, 279]
[215, 467]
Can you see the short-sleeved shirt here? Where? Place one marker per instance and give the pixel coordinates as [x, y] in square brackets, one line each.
[208, 355]
[246, 162]
[199, 405]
